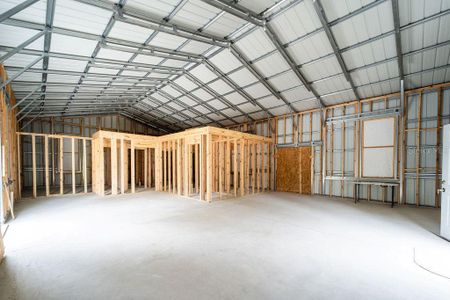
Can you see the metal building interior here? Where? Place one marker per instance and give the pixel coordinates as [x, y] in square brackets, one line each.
[225, 149]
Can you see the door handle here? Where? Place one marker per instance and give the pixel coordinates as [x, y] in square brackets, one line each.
[441, 190]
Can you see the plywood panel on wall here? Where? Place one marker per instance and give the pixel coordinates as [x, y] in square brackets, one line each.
[294, 170]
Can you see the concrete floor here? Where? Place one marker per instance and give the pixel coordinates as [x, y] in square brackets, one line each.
[271, 246]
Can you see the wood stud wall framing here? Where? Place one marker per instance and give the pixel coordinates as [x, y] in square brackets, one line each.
[55, 168]
[9, 151]
[185, 163]
[177, 163]
[331, 177]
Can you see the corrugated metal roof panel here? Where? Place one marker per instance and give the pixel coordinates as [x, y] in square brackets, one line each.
[255, 44]
[375, 73]
[20, 88]
[202, 109]
[26, 76]
[298, 93]
[297, 21]
[272, 64]
[72, 45]
[426, 34]
[331, 85]
[257, 90]
[33, 13]
[22, 60]
[369, 53]
[81, 17]
[224, 25]
[334, 11]
[428, 78]
[175, 106]
[113, 54]
[235, 98]
[231, 113]
[174, 63]
[243, 77]
[339, 97]
[282, 110]
[305, 104]
[217, 104]
[92, 69]
[376, 89]
[426, 59]
[187, 100]
[258, 6]
[168, 41]
[248, 107]
[270, 101]
[414, 10]
[195, 47]
[258, 115]
[202, 94]
[157, 96]
[195, 14]
[185, 83]
[285, 81]
[365, 25]
[322, 68]
[147, 59]
[132, 73]
[158, 9]
[220, 87]
[12, 36]
[129, 32]
[171, 91]
[203, 73]
[62, 78]
[59, 89]
[68, 65]
[226, 61]
[311, 48]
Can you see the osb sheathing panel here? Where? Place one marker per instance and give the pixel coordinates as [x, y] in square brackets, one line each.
[294, 170]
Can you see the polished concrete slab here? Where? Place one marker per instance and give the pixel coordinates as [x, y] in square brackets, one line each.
[270, 246]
